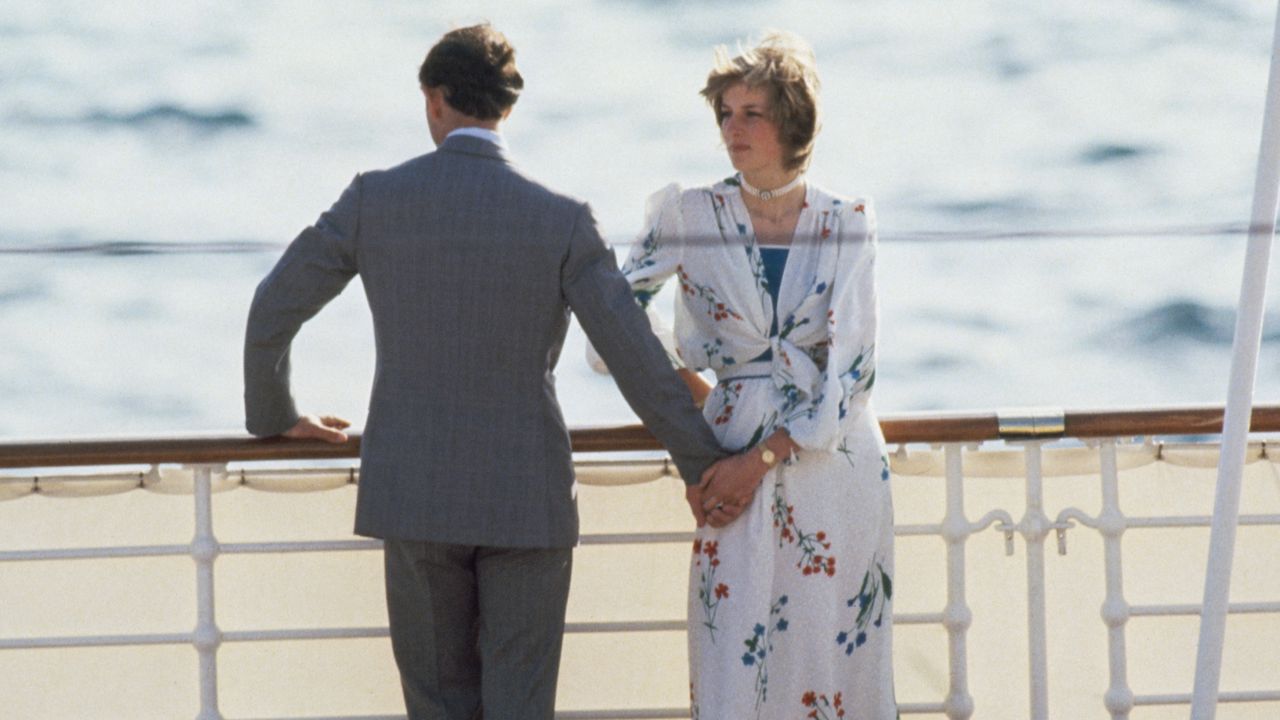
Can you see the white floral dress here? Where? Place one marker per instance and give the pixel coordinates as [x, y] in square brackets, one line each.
[790, 605]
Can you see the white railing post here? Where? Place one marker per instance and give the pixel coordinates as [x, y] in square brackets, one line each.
[204, 550]
[1111, 524]
[957, 617]
[1035, 526]
[1115, 610]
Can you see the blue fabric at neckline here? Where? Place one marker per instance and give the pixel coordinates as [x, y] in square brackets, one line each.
[775, 262]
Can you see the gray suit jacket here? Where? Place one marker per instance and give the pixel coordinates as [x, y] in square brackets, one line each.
[471, 269]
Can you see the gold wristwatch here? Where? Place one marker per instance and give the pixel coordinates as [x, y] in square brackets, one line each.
[768, 457]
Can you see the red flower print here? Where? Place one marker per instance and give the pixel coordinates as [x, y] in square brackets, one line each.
[715, 309]
[725, 414]
[697, 546]
[684, 280]
[712, 549]
[810, 544]
[710, 593]
[731, 394]
[821, 705]
[860, 208]
[826, 233]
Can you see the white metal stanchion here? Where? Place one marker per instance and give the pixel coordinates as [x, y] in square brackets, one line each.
[1235, 430]
[204, 549]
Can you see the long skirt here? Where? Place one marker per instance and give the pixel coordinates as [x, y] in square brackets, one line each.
[790, 606]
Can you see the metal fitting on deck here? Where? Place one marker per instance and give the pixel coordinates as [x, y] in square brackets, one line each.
[1027, 424]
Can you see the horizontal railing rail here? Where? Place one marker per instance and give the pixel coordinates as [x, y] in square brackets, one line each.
[897, 428]
[953, 435]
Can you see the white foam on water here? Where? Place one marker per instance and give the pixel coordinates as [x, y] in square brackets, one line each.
[245, 120]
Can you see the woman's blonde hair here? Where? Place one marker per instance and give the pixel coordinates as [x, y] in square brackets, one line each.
[783, 66]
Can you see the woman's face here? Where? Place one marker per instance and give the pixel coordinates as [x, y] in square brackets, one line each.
[748, 130]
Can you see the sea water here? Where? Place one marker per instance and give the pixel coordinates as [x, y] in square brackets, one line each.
[1056, 185]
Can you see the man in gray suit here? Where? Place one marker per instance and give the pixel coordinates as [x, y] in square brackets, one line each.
[471, 269]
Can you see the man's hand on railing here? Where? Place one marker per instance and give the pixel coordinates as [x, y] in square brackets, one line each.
[319, 427]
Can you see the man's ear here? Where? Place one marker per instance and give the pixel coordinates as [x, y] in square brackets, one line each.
[435, 101]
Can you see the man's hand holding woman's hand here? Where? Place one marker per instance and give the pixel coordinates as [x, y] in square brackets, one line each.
[727, 488]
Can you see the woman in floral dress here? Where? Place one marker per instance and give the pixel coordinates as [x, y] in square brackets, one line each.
[790, 603]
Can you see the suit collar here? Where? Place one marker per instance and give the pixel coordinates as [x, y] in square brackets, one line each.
[469, 145]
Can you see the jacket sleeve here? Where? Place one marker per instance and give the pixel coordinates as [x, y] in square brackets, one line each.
[317, 265]
[617, 327]
[655, 256]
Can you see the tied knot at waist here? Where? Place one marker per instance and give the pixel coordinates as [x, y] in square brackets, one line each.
[792, 370]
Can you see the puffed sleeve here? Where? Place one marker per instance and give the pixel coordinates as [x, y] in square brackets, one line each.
[852, 325]
[655, 255]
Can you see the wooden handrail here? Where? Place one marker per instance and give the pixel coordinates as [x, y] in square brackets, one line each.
[897, 428]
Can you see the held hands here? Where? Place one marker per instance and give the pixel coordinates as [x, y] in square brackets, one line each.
[693, 495]
[319, 427]
[726, 489]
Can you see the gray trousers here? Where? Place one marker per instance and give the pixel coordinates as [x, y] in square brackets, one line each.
[477, 631]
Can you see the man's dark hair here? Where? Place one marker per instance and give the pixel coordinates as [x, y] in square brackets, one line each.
[476, 66]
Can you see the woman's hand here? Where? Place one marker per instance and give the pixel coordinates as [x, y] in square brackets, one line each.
[729, 486]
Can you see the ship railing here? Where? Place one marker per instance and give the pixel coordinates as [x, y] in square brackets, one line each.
[957, 450]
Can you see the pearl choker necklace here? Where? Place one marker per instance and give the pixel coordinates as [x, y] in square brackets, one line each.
[767, 195]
